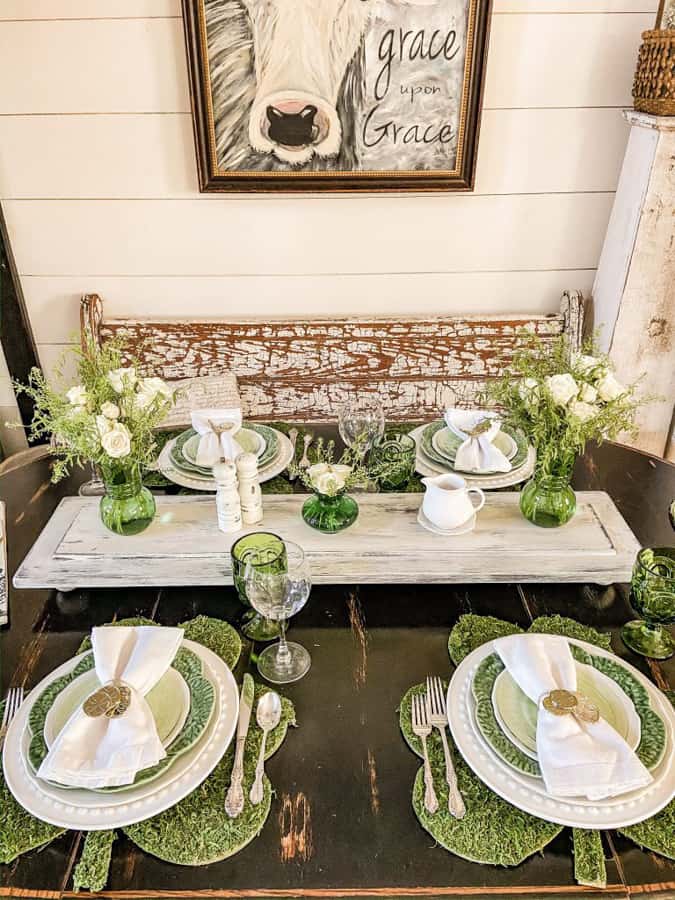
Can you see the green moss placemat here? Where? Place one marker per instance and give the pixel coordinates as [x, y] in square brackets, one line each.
[493, 831]
[194, 832]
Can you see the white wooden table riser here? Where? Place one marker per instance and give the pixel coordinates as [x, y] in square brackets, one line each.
[386, 545]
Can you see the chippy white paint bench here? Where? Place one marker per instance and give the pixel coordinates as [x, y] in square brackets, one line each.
[303, 369]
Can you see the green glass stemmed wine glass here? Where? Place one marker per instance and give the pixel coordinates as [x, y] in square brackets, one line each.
[652, 596]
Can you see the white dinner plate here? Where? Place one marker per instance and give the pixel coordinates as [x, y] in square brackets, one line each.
[529, 794]
[202, 483]
[91, 811]
[428, 468]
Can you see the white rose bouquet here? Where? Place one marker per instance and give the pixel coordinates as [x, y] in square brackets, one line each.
[561, 399]
[330, 478]
[107, 419]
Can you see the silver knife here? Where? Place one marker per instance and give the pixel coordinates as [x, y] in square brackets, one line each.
[234, 800]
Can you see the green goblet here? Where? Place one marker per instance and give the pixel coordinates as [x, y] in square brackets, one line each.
[262, 552]
[652, 595]
[392, 460]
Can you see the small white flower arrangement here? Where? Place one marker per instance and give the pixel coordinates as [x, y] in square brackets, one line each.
[109, 418]
[328, 479]
[562, 399]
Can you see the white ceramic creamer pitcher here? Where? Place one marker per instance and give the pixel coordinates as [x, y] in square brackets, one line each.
[447, 502]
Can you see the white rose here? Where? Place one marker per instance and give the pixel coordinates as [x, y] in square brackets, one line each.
[117, 441]
[110, 410]
[104, 425]
[529, 390]
[77, 395]
[584, 363]
[609, 388]
[561, 388]
[328, 479]
[150, 388]
[120, 378]
[582, 411]
[588, 393]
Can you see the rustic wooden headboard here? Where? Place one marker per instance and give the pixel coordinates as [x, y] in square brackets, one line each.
[303, 369]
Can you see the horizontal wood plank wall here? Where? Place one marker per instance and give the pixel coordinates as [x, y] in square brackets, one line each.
[98, 178]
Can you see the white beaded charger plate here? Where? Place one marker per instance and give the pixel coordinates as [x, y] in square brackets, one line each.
[529, 794]
[198, 483]
[91, 811]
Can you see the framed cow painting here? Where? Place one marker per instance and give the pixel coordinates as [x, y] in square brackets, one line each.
[336, 95]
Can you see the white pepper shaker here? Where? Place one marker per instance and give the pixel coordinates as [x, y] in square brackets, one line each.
[228, 504]
[249, 489]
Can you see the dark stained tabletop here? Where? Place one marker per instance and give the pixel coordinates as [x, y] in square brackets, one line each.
[342, 823]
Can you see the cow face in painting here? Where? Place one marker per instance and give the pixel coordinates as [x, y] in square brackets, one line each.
[302, 50]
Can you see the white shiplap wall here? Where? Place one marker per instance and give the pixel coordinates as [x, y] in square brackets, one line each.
[98, 178]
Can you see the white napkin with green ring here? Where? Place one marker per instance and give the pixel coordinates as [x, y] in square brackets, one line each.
[217, 428]
[477, 453]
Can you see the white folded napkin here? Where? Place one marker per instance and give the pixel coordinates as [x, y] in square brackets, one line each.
[217, 428]
[476, 454]
[576, 758]
[105, 752]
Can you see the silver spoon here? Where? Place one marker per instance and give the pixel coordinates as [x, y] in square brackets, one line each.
[268, 715]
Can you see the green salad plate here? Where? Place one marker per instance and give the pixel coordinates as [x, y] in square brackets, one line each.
[440, 446]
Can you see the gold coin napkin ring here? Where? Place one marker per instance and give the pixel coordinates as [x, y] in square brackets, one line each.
[565, 703]
[112, 700]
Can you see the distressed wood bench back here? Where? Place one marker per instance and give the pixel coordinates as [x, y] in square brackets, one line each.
[304, 369]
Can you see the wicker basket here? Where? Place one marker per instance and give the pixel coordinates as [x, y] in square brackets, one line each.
[654, 85]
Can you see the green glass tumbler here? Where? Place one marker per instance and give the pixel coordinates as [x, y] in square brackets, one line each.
[652, 596]
[392, 461]
[263, 552]
[127, 507]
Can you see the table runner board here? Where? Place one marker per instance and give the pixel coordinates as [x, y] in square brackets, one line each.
[183, 545]
[304, 369]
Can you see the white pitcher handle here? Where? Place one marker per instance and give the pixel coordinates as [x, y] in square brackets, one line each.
[476, 490]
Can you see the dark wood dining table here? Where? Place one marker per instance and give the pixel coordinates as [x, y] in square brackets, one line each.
[342, 823]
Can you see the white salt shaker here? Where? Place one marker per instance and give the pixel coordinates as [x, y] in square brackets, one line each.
[249, 489]
[228, 504]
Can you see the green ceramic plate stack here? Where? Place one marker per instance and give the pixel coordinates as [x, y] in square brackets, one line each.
[507, 719]
[179, 726]
[259, 439]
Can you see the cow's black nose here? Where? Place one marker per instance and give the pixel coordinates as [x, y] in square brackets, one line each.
[292, 129]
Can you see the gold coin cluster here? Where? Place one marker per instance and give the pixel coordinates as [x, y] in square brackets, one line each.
[565, 703]
[112, 700]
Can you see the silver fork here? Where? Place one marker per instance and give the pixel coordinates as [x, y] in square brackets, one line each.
[422, 729]
[307, 440]
[13, 701]
[438, 717]
[293, 438]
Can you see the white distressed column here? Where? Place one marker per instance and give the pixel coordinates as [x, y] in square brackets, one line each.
[634, 290]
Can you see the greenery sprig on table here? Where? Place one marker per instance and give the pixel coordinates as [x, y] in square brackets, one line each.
[107, 419]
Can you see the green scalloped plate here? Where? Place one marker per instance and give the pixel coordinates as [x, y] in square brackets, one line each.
[182, 462]
[447, 443]
[202, 705]
[652, 743]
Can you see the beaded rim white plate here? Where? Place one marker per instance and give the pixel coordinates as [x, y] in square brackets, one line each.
[271, 470]
[91, 811]
[424, 466]
[528, 793]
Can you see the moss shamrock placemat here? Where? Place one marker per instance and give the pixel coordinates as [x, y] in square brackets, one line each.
[194, 832]
[493, 831]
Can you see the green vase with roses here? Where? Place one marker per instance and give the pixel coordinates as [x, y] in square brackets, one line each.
[108, 419]
[561, 399]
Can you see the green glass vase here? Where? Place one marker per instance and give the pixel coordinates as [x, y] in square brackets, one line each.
[547, 499]
[330, 514]
[126, 507]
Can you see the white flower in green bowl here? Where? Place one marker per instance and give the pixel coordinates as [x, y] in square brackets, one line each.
[328, 479]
